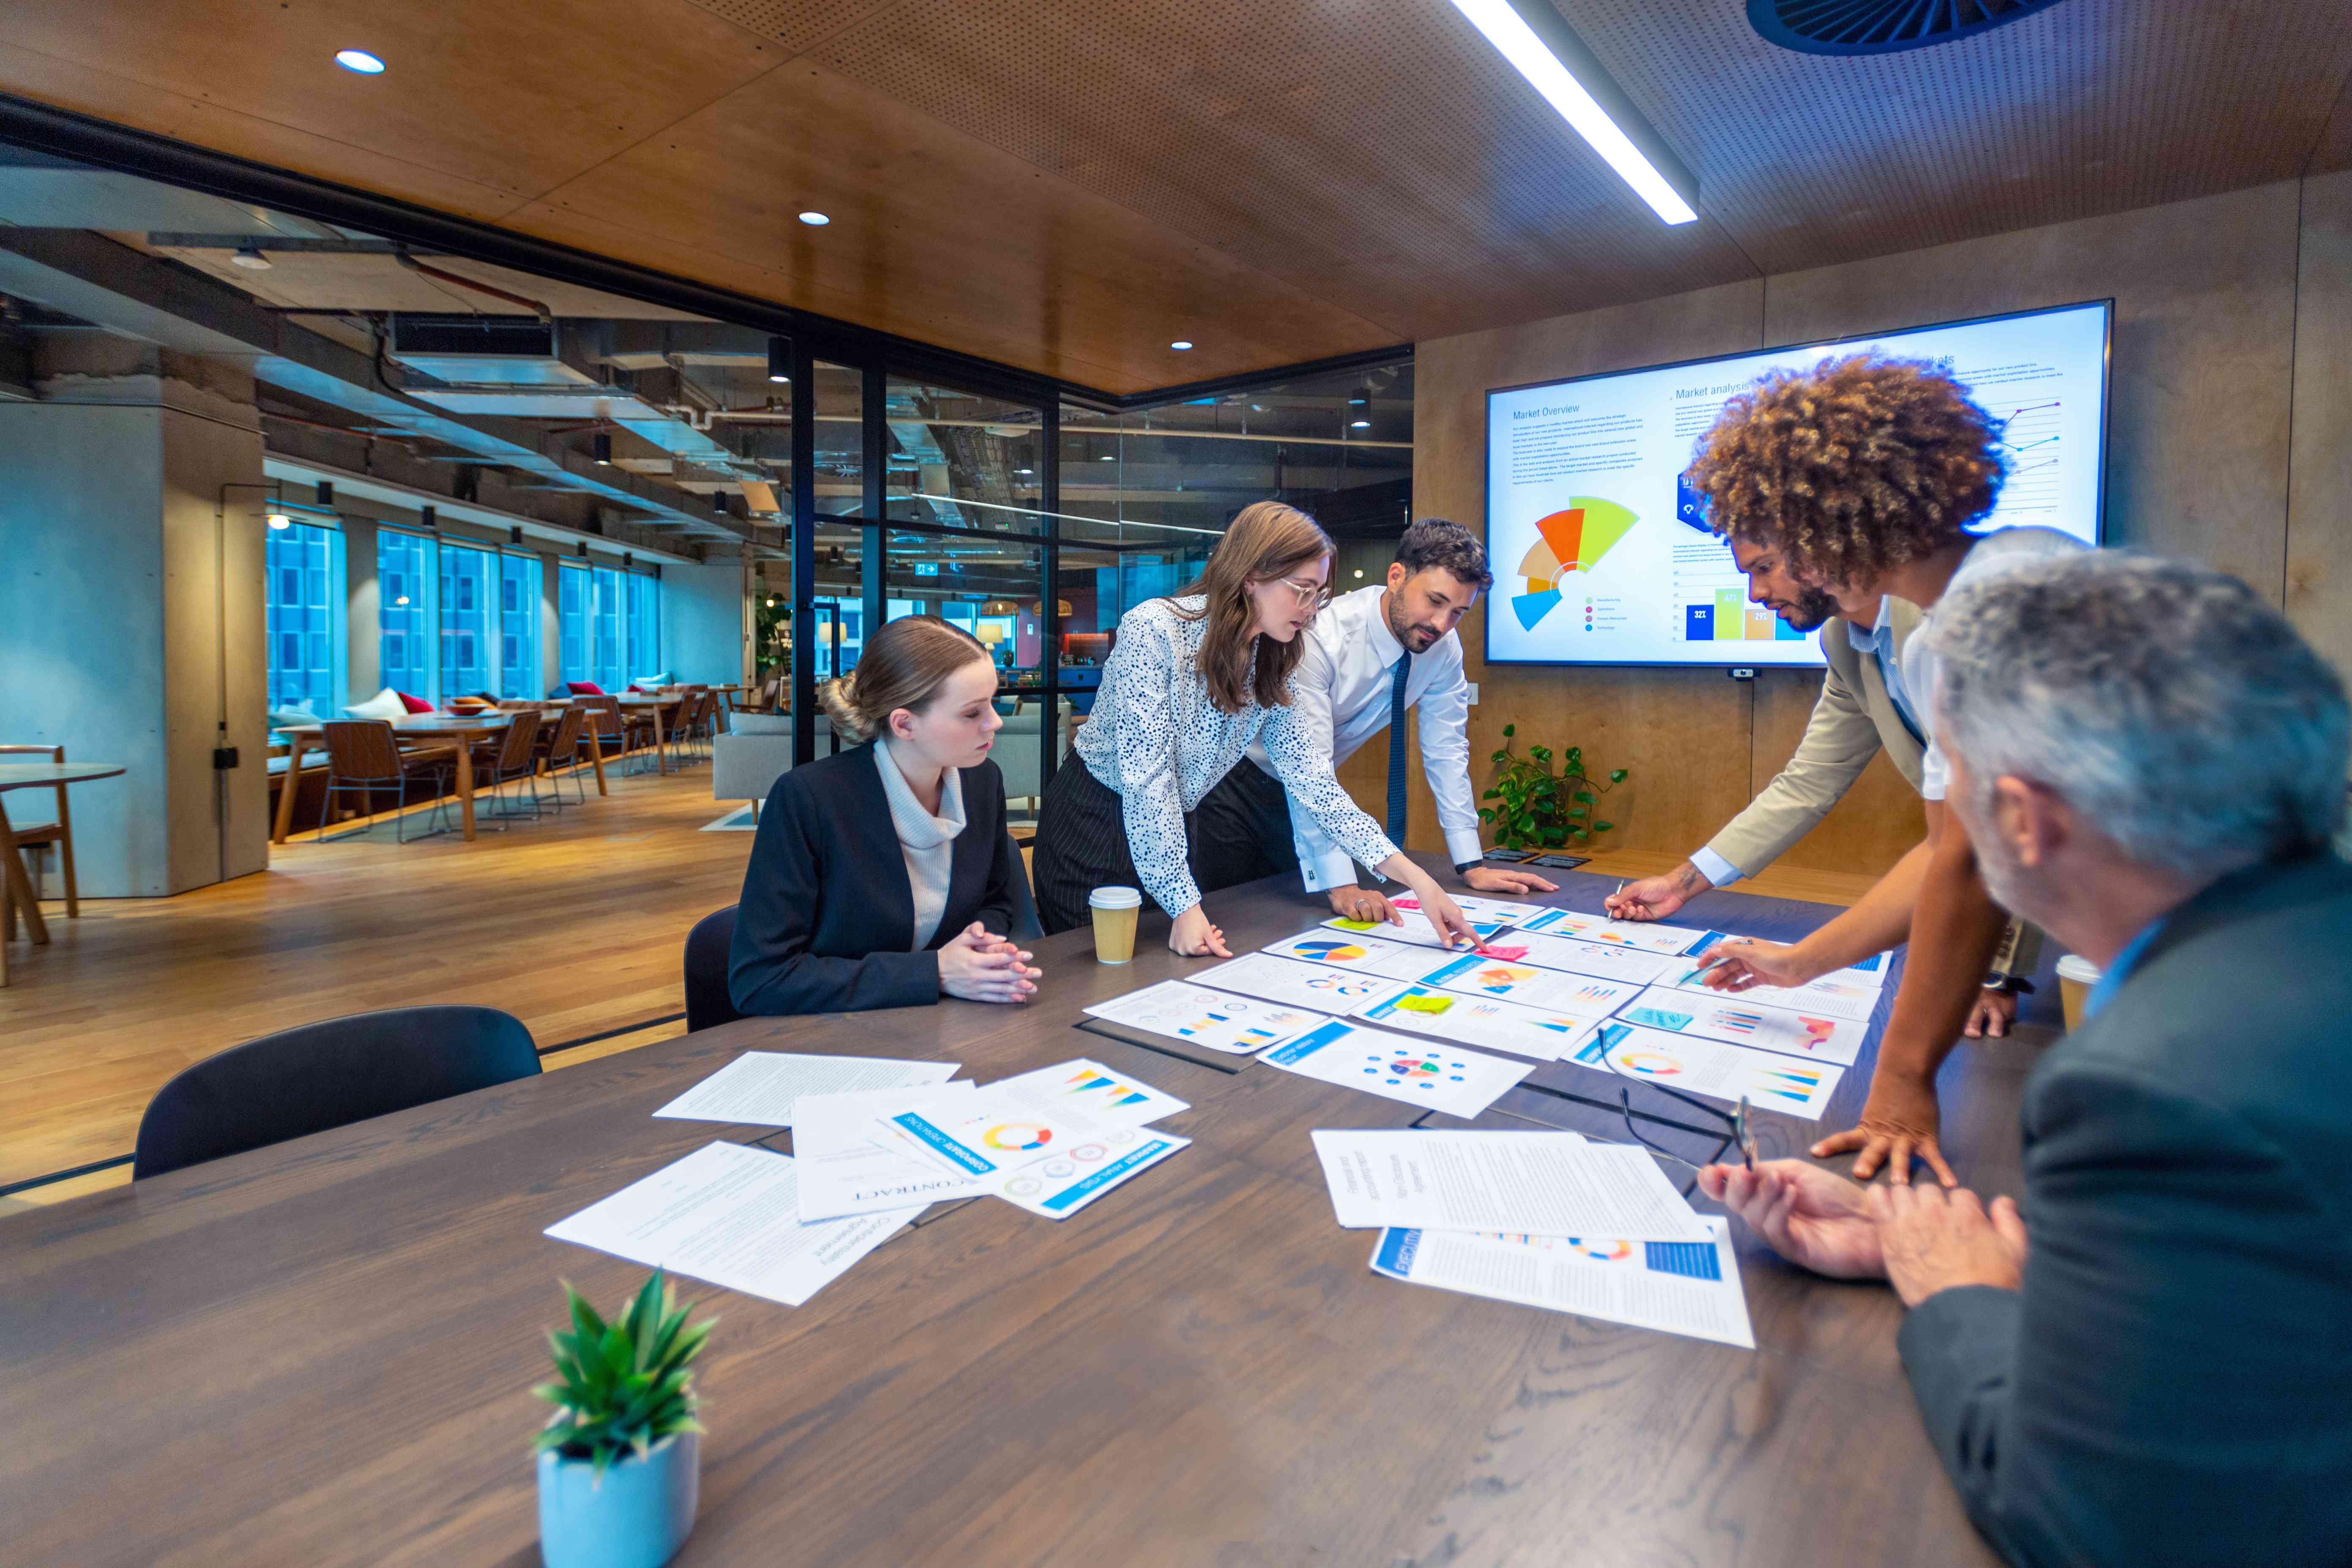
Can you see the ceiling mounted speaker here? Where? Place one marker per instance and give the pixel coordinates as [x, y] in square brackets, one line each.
[1879, 26]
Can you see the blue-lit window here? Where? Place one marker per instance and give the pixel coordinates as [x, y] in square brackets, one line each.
[571, 590]
[605, 650]
[519, 590]
[642, 610]
[610, 622]
[466, 620]
[304, 610]
[404, 586]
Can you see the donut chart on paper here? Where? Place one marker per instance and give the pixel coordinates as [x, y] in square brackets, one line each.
[1018, 1137]
[1571, 540]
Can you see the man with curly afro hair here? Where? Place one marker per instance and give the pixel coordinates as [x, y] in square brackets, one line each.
[1847, 492]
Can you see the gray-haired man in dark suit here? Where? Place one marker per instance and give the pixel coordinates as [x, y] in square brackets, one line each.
[2152, 1362]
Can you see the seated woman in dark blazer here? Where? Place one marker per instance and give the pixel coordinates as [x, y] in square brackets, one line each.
[882, 877]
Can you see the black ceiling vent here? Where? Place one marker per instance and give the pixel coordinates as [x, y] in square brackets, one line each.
[1879, 26]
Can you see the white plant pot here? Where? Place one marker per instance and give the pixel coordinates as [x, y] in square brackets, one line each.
[635, 1516]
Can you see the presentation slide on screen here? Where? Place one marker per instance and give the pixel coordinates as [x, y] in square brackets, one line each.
[1600, 553]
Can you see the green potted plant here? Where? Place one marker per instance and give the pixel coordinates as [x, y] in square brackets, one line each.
[620, 1463]
[1538, 808]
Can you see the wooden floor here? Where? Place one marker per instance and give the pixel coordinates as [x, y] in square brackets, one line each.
[574, 925]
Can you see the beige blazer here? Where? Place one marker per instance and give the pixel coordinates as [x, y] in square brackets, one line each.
[1854, 720]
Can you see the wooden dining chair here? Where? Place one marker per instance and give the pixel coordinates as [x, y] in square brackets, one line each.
[362, 756]
[561, 749]
[512, 757]
[47, 836]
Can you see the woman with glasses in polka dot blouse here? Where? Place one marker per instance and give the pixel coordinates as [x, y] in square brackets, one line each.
[1192, 680]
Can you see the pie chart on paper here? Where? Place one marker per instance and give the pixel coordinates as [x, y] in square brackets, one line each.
[1573, 540]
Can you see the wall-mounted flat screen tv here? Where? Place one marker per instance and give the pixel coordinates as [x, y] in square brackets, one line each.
[1599, 549]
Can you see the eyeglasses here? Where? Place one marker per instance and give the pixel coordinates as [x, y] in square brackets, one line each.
[1305, 590]
[1737, 1120]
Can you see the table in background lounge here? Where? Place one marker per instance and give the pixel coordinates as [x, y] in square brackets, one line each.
[16, 889]
[463, 728]
[322, 1351]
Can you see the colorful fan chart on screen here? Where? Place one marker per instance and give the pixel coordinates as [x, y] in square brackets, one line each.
[1574, 540]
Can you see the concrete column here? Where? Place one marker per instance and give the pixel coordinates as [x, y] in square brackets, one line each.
[131, 626]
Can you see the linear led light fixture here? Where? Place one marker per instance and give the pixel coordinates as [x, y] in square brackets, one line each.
[1546, 50]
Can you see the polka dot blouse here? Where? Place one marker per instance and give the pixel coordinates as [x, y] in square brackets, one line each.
[1157, 740]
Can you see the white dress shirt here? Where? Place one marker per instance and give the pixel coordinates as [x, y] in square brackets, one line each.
[1156, 740]
[1339, 694]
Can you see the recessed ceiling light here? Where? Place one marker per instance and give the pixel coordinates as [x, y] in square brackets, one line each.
[814, 219]
[1024, 471]
[1180, 345]
[1360, 423]
[1108, 458]
[1359, 571]
[279, 519]
[402, 600]
[249, 257]
[359, 60]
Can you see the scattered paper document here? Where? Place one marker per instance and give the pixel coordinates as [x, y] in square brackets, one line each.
[1770, 1080]
[1542, 1183]
[730, 1215]
[1596, 958]
[1870, 973]
[1105, 1097]
[1416, 929]
[1689, 1287]
[1216, 1020]
[1049, 1164]
[844, 1168]
[1646, 936]
[1484, 1021]
[1437, 1077]
[1552, 989]
[1742, 1019]
[1364, 954]
[760, 1087]
[1838, 997]
[1478, 908]
[1311, 986]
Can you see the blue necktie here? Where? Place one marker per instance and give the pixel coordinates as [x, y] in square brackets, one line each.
[1396, 749]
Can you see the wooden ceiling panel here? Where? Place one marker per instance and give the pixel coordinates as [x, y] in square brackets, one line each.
[1067, 186]
[208, 122]
[2089, 107]
[518, 97]
[937, 236]
[1377, 153]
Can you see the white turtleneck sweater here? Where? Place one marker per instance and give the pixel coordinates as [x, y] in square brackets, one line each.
[928, 841]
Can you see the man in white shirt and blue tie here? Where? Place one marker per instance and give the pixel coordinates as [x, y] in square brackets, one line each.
[1370, 656]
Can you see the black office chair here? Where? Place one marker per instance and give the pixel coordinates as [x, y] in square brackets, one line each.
[708, 1005]
[325, 1075]
[1025, 926]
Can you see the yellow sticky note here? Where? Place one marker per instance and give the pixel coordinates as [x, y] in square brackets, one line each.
[1425, 1004]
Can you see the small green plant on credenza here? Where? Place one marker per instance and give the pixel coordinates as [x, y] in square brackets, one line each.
[1536, 808]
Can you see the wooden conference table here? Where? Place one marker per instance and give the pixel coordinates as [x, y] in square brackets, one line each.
[321, 1351]
[415, 729]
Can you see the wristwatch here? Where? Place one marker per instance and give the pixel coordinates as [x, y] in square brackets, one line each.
[1465, 867]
